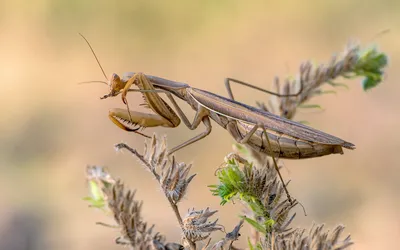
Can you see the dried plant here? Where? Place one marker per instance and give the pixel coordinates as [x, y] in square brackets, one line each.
[196, 226]
[316, 239]
[260, 189]
[230, 237]
[172, 176]
[126, 211]
[351, 64]
[174, 179]
[248, 177]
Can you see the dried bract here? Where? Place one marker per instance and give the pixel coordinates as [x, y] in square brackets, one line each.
[98, 173]
[260, 189]
[229, 238]
[135, 233]
[173, 177]
[350, 64]
[196, 226]
[316, 239]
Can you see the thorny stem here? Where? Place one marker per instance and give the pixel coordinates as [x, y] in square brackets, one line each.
[139, 156]
[173, 205]
[176, 211]
[179, 218]
[312, 77]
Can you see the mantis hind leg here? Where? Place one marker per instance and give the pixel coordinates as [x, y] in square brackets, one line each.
[276, 165]
[247, 137]
[230, 93]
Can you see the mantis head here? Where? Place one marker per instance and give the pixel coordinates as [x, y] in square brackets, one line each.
[116, 84]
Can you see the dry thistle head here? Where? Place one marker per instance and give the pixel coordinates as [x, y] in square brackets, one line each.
[259, 189]
[97, 177]
[351, 64]
[98, 173]
[316, 239]
[196, 226]
[126, 211]
[173, 177]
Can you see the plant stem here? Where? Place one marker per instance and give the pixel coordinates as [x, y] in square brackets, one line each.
[173, 205]
[179, 218]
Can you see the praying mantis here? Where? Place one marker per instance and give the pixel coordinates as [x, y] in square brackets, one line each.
[246, 124]
[260, 130]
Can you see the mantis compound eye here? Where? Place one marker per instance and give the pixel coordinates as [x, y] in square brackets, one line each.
[116, 84]
[115, 81]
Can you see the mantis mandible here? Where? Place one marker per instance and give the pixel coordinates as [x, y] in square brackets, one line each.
[262, 131]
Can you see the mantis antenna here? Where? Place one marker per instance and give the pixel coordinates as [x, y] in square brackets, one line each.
[104, 73]
[98, 62]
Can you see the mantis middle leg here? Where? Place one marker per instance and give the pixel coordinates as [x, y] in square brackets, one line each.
[202, 115]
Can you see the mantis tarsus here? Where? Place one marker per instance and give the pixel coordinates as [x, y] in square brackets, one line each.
[260, 130]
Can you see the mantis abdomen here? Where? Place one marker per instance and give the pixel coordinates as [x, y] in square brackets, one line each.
[284, 146]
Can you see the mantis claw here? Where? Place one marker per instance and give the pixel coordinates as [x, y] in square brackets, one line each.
[132, 121]
[105, 96]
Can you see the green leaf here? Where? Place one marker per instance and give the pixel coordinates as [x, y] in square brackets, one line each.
[241, 149]
[304, 122]
[95, 190]
[231, 183]
[97, 197]
[255, 224]
[95, 203]
[256, 206]
[369, 83]
[325, 92]
[269, 224]
[370, 65]
[335, 84]
[251, 247]
[310, 106]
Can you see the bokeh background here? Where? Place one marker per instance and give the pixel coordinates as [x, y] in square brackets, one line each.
[51, 127]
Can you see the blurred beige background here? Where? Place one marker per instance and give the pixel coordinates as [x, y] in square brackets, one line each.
[50, 127]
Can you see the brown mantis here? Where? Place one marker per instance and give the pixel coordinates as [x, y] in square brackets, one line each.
[246, 124]
[260, 130]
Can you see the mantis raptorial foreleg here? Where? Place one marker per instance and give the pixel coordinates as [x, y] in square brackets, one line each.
[141, 80]
[165, 115]
[230, 93]
[136, 119]
[154, 120]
